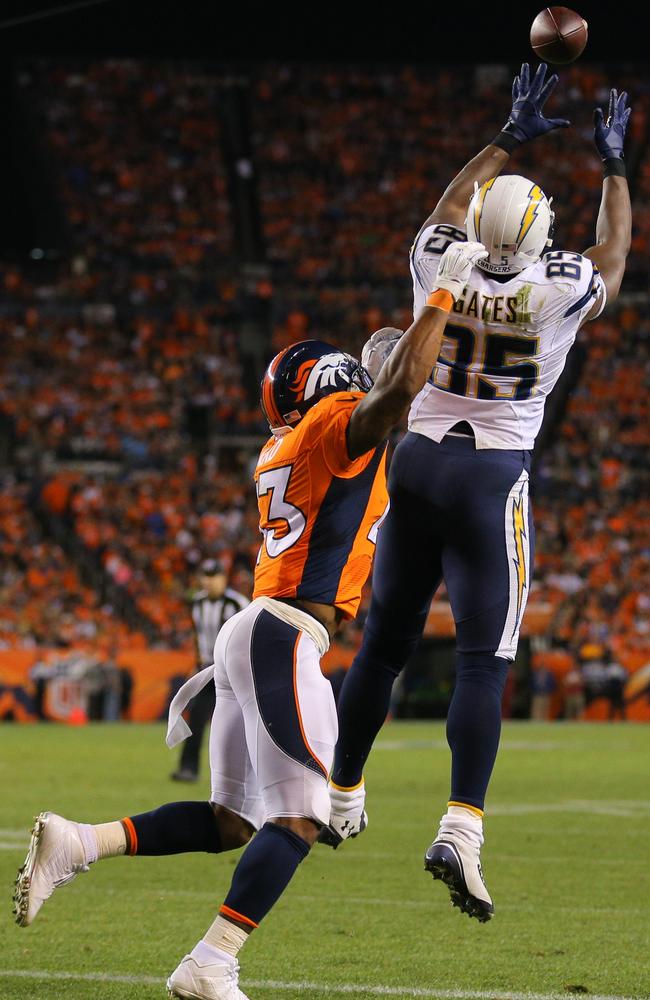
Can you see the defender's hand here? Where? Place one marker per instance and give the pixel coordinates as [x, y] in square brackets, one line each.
[377, 349]
[456, 266]
[609, 135]
[527, 119]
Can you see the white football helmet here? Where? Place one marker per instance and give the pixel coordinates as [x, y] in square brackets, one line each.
[511, 216]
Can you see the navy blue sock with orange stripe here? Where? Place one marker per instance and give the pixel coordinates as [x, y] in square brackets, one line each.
[264, 871]
[175, 828]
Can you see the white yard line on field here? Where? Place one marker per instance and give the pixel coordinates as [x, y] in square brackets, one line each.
[82, 977]
[343, 900]
[354, 989]
[593, 807]
[424, 744]
[411, 745]
[415, 991]
[425, 904]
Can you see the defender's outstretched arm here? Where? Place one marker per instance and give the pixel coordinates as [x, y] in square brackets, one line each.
[410, 363]
[614, 223]
[526, 122]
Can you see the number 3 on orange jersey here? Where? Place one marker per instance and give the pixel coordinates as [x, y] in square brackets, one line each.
[276, 482]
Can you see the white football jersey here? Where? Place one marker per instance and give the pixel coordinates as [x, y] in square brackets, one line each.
[505, 343]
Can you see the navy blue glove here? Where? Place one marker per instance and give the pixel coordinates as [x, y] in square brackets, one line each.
[609, 135]
[526, 119]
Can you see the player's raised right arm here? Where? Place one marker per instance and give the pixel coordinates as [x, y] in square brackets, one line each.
[614, 224]
[526, 122]
[412, 360]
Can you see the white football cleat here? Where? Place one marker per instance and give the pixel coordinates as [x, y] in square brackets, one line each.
[54, 858]
[348, 818]
[200, 979]
[455, 858]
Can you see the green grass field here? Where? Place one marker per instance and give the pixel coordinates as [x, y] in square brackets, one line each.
[567, 859]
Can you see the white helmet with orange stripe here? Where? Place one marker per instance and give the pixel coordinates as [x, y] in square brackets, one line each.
[511, 216]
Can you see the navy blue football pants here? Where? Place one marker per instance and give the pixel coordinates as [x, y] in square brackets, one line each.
[462, 515]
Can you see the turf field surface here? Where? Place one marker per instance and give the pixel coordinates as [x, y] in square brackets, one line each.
[567, 860]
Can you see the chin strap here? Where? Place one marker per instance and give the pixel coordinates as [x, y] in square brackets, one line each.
[484, 265]
[280, 432]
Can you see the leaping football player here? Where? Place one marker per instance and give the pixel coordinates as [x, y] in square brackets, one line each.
[458, 481]
[321, 488]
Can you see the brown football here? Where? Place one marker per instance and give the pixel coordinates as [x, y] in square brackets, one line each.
[558, 35]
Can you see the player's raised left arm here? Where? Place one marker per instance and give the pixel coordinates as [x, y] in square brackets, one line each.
[525, 122]
[614, 224]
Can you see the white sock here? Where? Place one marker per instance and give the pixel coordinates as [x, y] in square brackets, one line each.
[88, 842]
[225, 937]
[207, 954]
[106, 840]
[464, 813]
[463, 823]
[346, 801]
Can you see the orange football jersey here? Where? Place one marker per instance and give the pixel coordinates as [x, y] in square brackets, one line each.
[319, 511]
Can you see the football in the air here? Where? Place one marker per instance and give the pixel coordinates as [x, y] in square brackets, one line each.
[558, 35]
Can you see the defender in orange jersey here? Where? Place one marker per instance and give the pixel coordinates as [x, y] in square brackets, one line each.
[321, 487]
[319, 511]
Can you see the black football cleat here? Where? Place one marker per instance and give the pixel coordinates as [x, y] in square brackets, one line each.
[458, 865]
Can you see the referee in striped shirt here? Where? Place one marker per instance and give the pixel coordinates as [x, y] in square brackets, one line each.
[213, 605]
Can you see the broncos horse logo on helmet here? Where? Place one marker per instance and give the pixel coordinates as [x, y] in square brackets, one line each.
[301, 375]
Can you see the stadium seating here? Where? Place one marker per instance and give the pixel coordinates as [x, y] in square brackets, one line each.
[107, 359]
[44, 602]
[593, 514]
[141, 173]
[115, 390]
[352, 161]
[151, 529]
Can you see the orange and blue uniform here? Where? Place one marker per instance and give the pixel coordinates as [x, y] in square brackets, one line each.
[275, 723]
[319, 510]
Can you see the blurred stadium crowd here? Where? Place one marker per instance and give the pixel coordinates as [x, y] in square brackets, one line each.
[128, 403]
